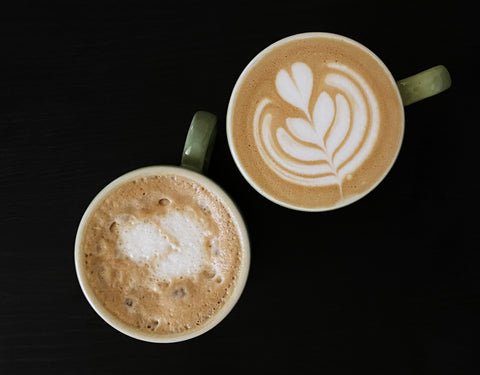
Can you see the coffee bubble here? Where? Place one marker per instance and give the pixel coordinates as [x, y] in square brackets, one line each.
[180, 292]
[164, 202]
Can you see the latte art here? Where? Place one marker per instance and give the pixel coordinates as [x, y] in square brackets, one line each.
[329, 142]
[315, 121]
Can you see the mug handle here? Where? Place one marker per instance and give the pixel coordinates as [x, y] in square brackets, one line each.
[199, 142]
[424, 84]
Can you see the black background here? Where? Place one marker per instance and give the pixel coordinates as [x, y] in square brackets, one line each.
[89, 91]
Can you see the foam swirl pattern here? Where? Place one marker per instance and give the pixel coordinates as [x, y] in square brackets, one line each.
[336, 132]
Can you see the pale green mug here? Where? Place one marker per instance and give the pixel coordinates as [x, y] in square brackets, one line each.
[427, 83]
[280, 141]
[194, 162]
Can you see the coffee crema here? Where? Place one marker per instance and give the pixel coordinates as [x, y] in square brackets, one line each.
[315, 121]
[162, 254]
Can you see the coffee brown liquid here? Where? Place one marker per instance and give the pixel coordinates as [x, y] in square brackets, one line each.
[134, 292]
[316, 122]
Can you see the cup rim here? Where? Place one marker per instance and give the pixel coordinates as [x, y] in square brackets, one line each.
[238, 84]
[241, 279]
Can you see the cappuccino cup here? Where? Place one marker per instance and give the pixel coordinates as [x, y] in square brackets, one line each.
[162, 253]
[316, 120]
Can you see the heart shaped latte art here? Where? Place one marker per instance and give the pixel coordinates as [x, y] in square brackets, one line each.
[328, 143]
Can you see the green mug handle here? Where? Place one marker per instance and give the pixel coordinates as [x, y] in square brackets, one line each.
[424, 84]
[199, 143]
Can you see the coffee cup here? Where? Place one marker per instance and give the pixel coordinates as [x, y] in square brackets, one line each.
[316, 120]
[162, 253]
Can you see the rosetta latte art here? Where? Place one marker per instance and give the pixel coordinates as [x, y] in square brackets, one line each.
[327, 144]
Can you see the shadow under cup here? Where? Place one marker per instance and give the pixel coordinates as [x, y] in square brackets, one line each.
[180, 287]
[316, 121]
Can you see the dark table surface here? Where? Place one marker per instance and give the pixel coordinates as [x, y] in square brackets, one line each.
[89, 92]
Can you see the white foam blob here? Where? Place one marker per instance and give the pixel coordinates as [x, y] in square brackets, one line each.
[173, 244]
[142, 241]
[321, 147]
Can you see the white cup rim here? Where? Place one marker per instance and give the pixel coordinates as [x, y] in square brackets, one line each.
[241, 280]
[237, 85]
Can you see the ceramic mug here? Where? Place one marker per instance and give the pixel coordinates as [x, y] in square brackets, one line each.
[162, 253]
[316, 120]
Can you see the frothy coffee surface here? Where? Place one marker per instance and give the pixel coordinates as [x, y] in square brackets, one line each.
[316, 121]
[162, 254]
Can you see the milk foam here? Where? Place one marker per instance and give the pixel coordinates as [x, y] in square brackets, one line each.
[173, 244]
[143, 241]
[328, 143]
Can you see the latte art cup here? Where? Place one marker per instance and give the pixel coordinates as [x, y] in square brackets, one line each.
[195, 158]
[316, 120]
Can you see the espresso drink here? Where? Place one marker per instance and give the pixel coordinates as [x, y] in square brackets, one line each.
[315, 121]
[162, 254]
